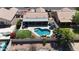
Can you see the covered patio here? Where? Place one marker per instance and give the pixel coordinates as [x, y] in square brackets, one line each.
[35, 22]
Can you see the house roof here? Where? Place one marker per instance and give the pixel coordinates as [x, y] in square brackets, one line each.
[35, 15]
[7, 14]
[65, 15]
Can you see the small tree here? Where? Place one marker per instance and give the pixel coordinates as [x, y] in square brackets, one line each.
[76, 17]
[18, 24]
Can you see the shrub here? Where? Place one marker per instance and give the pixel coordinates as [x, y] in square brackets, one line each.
[23, 34]
[18, 24]
[12, 35]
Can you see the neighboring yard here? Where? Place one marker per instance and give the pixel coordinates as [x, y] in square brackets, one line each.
[22, 34]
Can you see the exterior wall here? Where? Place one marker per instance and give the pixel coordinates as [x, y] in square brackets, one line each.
[56, 17]
[9, 46]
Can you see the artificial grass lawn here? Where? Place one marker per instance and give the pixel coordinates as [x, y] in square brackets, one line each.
[21, 34]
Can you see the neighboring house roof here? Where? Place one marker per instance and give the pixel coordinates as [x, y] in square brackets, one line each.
[32, 10]
[8, 14]
[35, 15]
[65, 15]
[24, 11]
[40, 10]
[66, 9]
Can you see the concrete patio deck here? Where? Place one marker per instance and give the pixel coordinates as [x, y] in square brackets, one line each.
[75, 46]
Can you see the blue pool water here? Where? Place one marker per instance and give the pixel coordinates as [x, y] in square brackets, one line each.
[3, 45]
[42, 32]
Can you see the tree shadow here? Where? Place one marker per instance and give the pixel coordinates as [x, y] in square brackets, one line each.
[63, 47]
[54, 45]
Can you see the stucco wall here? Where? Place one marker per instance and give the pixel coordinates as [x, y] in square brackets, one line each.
[9, 46]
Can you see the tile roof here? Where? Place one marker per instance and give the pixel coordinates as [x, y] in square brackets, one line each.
[7, 14]
[35, 15]
[65, 15]
[40, 10]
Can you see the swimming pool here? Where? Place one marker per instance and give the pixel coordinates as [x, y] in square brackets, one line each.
[42, 32]
[3, 45]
